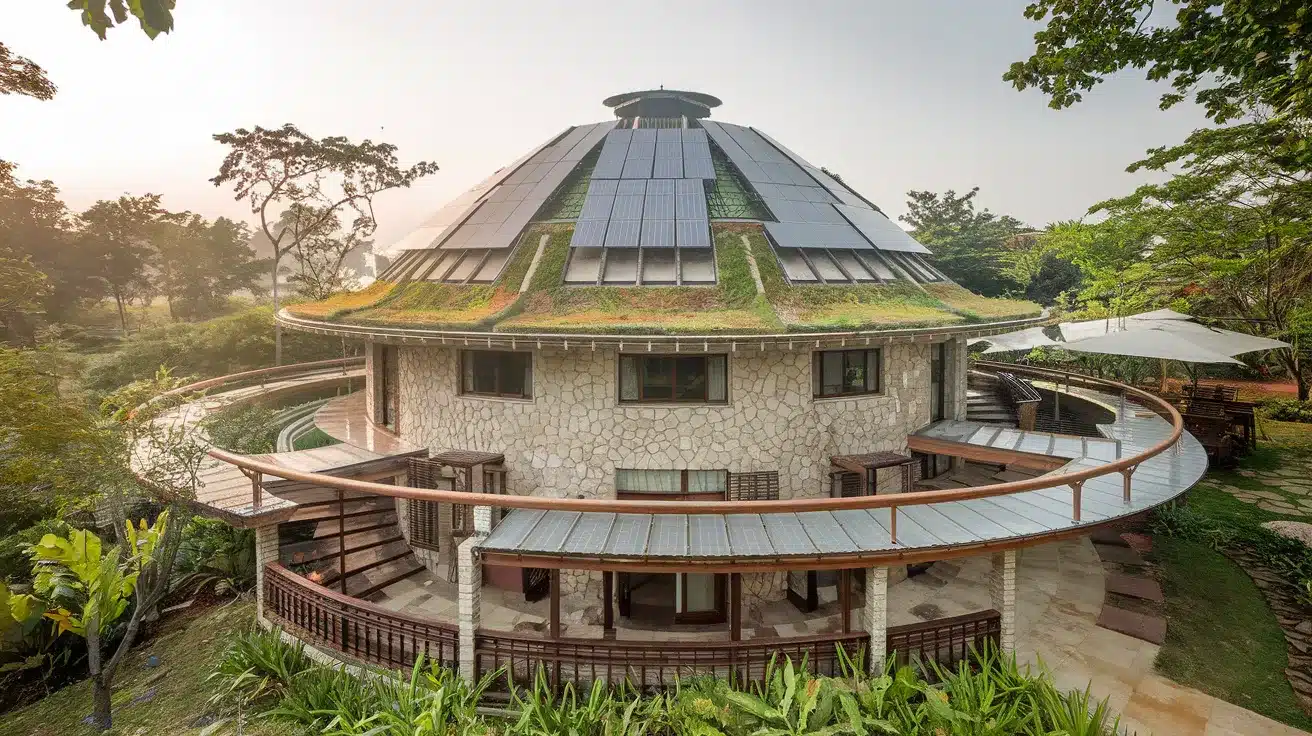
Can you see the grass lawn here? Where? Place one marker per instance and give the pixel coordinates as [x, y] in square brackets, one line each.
[1222, 638]
[165, 701]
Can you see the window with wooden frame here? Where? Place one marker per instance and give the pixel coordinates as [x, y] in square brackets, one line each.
[387, 373]
[674, 379]
[498, 373]
[836, 373]
[671, 484]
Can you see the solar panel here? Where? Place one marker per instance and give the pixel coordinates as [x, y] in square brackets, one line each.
[627, 208]
[623, 233]
[609, 165]
[881, 231]
[644, 136]
[659, 186]
[815, 235]
[630, 187]
[641, 150]
[667, 168]
[697, 266]
[589, 233]
[657, 234]
[692, 234]
[584, 265]
[597, 207]
[698, 167]
[690, 206]
[637, 168]
[603, 186]
[658, 207]
[669, 149]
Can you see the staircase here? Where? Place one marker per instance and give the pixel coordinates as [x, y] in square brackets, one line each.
[985, 402]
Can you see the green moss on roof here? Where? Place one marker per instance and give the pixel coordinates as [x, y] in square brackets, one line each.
[733, 305]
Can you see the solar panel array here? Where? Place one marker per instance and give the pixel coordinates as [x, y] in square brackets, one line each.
[644, 219]
[825, 232]
[460, 244]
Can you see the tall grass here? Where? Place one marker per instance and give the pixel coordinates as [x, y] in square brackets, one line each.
[987, 696]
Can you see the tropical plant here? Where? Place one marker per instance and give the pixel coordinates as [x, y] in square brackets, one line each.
[215, 556]
[257, 666]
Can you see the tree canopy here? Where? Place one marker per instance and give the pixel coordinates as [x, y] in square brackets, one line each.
[969, 245]
[1229, 55]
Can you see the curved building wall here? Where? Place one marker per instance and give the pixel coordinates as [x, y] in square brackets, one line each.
[569, 439]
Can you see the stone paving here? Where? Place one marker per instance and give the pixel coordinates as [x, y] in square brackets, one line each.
[1285, 490]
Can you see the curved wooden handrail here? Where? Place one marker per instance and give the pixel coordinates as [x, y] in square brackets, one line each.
[1049, 480]
[279, 370]
[282, 573]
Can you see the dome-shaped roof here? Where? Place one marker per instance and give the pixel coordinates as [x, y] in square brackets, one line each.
[662, 196]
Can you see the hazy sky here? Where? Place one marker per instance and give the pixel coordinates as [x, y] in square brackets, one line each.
[892, 95]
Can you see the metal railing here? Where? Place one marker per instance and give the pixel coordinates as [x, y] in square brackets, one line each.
[358, 629]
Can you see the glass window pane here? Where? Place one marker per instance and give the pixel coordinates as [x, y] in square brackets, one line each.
[831, 368]
[873, 370]
[716, 378]
[690, 377]
[647, 481]
[699, 592]
[485, 372]
[467, 366]
[854, 371]
[629, 378]
[657, 378]
[511, 373]
[707, 481]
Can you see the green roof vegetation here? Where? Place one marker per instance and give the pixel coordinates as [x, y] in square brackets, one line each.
[733, 305]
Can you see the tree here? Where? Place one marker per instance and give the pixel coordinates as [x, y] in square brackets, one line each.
[1036, 264]
[283, 168]
[969, 246]
[1231, 233]
[1231, 55]
[320, 253]
[199, 263]
[20, 75]
[119, 232]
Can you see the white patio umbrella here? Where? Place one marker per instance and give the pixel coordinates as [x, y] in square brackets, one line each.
[1187, 345]
[1026, 339]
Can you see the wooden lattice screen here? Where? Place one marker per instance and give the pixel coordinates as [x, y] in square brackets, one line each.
[422, 517]
[759, 486]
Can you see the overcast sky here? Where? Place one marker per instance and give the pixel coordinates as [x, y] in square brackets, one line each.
[892, 95]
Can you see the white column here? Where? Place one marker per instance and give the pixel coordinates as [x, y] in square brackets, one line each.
[876, 616]
[1002, 588]
[266, 551]
[470, 589]
[482, 514]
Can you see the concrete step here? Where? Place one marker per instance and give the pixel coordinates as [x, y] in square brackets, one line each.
[1139, 625]
[1135, 587]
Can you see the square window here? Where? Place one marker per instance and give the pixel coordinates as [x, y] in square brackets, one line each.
[496, 373]
[846, 373]
[673, 378]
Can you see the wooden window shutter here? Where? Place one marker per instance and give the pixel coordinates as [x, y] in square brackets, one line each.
[758, 486]
[422, 517]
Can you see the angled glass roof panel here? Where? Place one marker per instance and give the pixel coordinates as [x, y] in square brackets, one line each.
[876, 265]
[697, 265]
[621, 266]
[881, 231]
[850, 263]
[669, 536]
[815, 235]
[463, 270]
[747, 535]
[584, 265]
[922, 267]
[787, 535]
[589, 233]
[658, 266]
[492, 266]
[825, 267]
[667, 168]
[707, 536]
[794, 265]
[657, 234]
[590, 534]
[628, 537]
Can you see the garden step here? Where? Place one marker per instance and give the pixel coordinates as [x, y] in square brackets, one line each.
[1109, 536]
[1120, 555]
[1134, 587]
[1139, 625]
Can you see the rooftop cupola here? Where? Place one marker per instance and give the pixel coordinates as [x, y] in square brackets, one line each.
[661, 103]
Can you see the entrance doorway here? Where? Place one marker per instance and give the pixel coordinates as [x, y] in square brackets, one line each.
[658, 599]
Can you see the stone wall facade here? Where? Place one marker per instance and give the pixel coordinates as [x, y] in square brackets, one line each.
[572, 435]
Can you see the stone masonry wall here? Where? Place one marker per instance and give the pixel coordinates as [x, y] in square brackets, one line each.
[569, 439]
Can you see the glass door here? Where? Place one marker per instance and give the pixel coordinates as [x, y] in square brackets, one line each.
[937, 382]
[699, 598]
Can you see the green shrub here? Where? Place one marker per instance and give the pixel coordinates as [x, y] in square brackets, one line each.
[216, 347]
[249, 429]
[258, 666]
[216, 556]
[15, 564]
[1287, 410]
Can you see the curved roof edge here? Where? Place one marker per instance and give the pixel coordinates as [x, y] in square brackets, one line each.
[432, 336]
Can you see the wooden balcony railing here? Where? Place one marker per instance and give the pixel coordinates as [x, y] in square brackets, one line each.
[945, 640]
[356, 628]
[653, 665]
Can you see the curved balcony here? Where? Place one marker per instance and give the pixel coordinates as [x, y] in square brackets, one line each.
[1142, 459]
